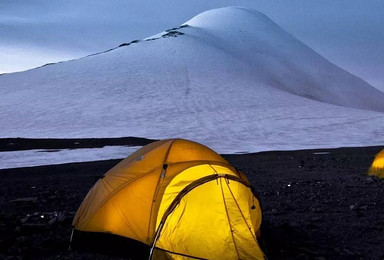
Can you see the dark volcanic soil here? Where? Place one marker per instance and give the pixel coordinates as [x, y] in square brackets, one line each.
[316, 205]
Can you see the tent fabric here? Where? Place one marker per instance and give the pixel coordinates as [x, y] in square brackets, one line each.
[224, 232]
[179, 197]
[377, 167]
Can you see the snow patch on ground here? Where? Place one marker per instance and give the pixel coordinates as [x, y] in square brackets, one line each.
[29, 158]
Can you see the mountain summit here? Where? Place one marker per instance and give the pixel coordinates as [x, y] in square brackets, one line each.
[280, 60]
[228, 75]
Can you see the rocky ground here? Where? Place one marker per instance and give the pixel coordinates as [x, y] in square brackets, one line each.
[317, 204]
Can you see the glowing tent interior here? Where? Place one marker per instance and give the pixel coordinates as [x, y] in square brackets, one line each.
[377, 167]
[179, 199]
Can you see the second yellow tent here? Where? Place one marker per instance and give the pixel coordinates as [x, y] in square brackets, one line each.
[377, 167]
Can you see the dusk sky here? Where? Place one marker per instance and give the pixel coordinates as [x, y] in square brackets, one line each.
[34, 32]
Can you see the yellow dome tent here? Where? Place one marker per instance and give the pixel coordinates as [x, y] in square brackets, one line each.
[179, 198]
[377, 167]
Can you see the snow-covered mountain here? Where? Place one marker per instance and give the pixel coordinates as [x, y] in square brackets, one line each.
[229, 78]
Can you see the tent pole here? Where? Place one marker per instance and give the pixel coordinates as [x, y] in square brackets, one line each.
[154, 241]
[70, 240]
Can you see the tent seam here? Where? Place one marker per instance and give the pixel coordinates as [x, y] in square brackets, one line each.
[157, 188]
[242, 215]
[126, 222]
[229, 222]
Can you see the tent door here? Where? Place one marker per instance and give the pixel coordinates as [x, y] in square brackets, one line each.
[211, 220]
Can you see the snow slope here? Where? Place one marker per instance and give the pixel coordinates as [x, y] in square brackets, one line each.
[229, 78]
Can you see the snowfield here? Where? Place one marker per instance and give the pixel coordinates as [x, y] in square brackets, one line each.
[229, 78]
